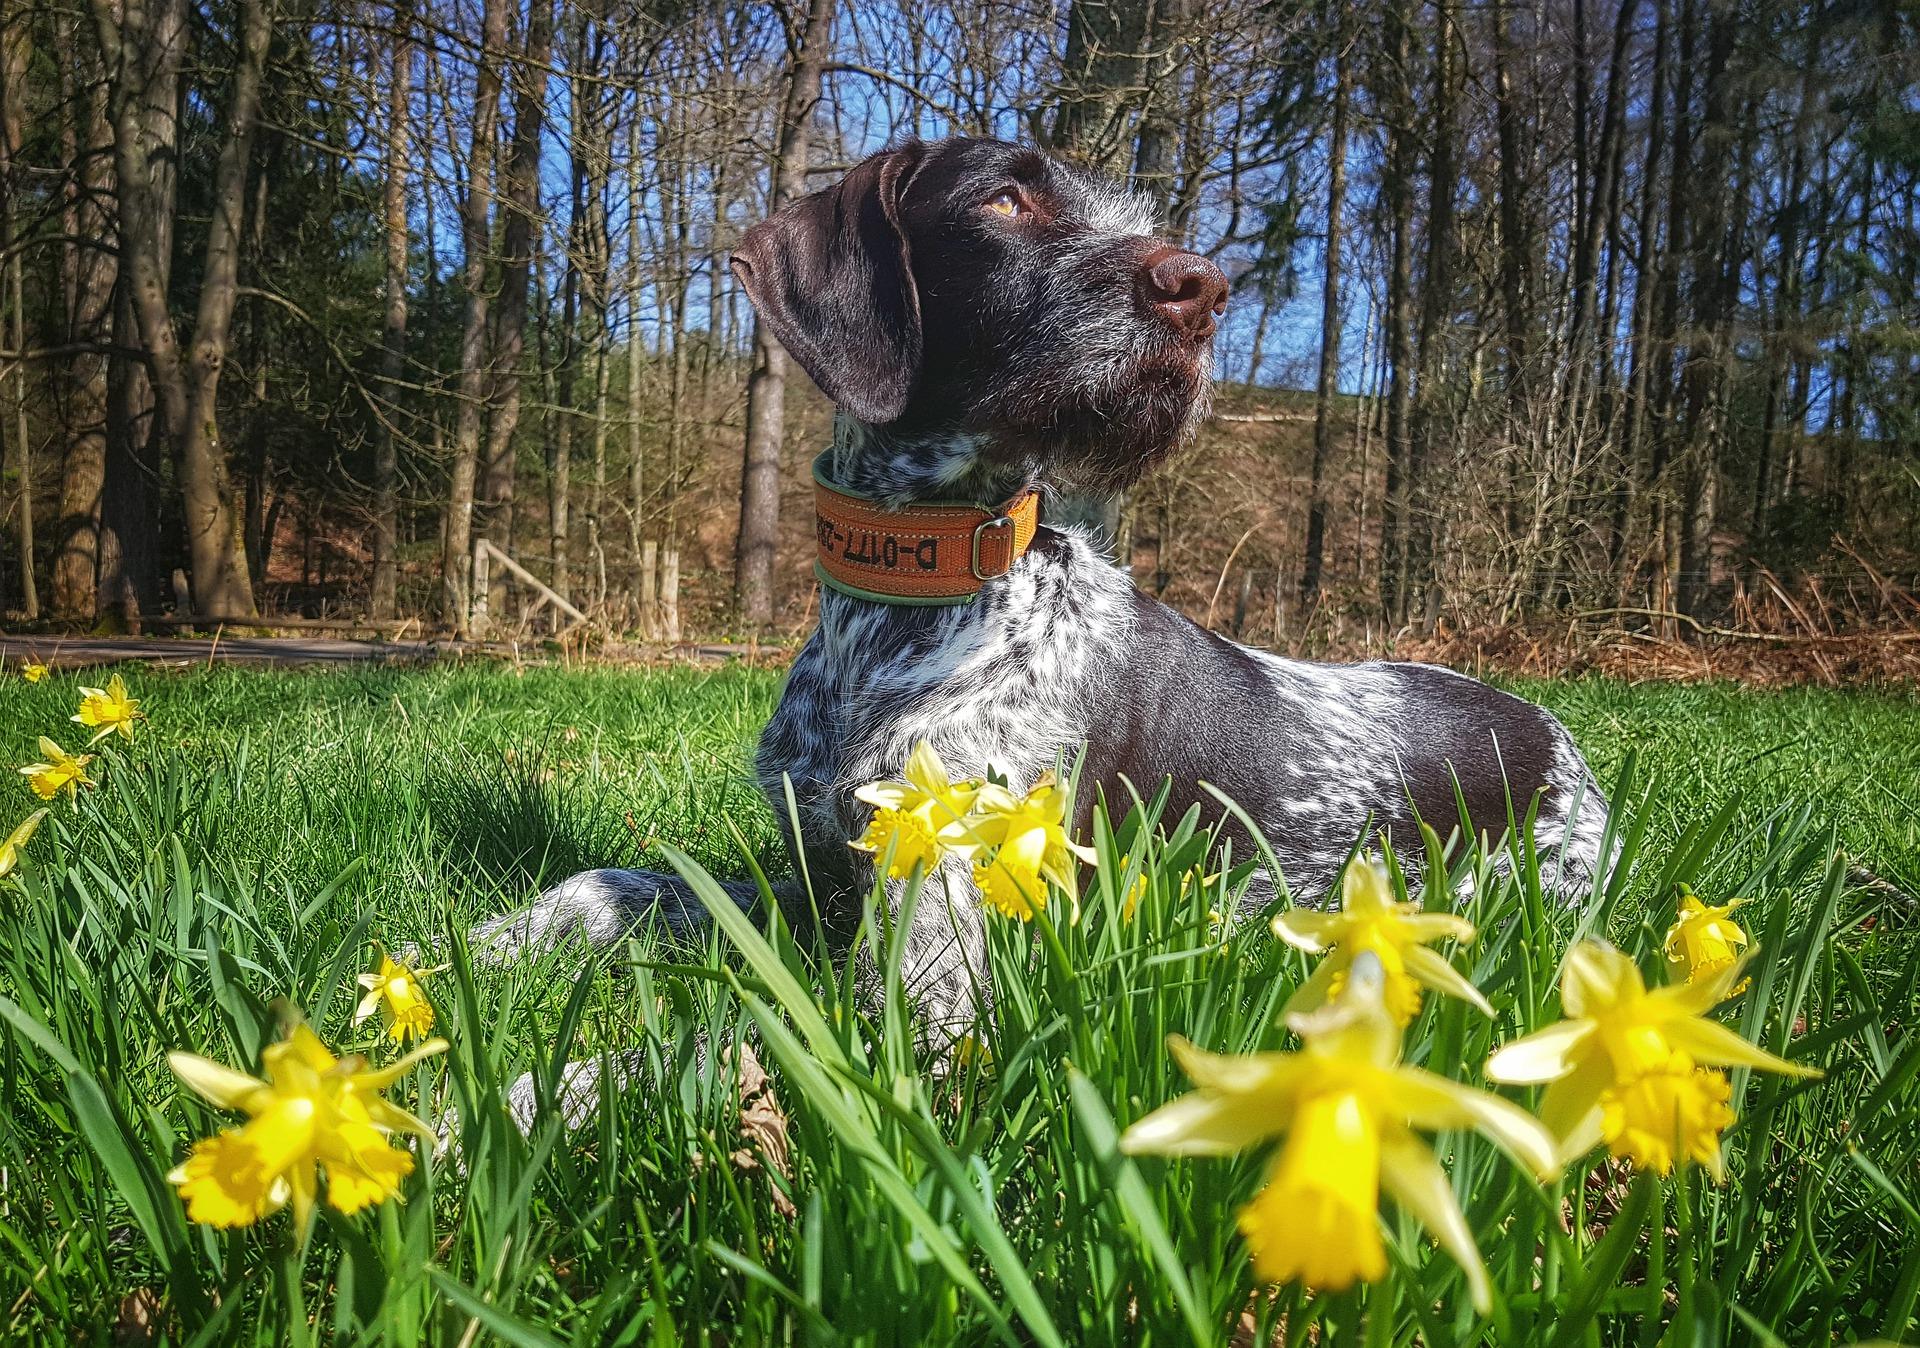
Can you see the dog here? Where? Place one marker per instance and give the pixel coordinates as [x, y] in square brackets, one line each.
[992, 322]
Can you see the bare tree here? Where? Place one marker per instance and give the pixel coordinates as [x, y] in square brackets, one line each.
[145, 42]
[456, 555]
[810, 37]
[393, 360]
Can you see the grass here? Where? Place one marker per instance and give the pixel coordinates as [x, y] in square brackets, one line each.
[264, 828]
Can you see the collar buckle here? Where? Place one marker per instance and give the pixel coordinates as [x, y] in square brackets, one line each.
[973, 564]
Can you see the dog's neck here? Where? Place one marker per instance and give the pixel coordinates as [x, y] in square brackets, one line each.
[897, 469]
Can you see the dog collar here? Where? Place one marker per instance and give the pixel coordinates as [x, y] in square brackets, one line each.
[930, 552]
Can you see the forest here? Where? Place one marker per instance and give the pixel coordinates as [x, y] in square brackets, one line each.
[1541, 308]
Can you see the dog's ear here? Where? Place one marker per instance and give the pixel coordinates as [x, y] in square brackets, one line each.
[831, 276]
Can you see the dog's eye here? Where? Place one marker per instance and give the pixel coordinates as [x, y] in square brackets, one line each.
[1007, 204]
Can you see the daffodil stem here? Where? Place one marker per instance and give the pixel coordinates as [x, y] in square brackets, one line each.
[1550, 1263]
[298, 1328]
[1684, 1252]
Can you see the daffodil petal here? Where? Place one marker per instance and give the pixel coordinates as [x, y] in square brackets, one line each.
[1309, 930]
[974, 831]
[1570, 1107]
[885, 795]
[1205, 1123]
[1426, 927]
[1431, 968]
[1234, 1073]
[925, 770]
[1544, 1055]
[382, 1077]
[1409, 1172]
[1429, 1101]
[389, 1116]
[214, 1082]
[1594, 973]
[1712, 1044]
[1701, 995]
[304, 1046]
[305, 1186]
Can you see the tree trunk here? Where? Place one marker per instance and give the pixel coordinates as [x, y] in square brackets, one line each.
[1516, 242]
[1633, 504]
[520, 238]
[456, 554]
[767, 387]
[1398, 189]
[15, 52]
[1705, 376]
[1436, 310]
[148, 45]
[1327, 384]
[393, 355]
[87, 273]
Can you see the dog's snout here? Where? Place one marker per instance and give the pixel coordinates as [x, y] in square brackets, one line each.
[1185, 289]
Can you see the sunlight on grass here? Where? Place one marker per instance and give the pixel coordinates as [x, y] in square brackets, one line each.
[258, 835]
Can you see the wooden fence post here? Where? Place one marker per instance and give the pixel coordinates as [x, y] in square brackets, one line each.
[477, 604]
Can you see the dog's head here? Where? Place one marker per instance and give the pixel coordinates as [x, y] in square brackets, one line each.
[977, 296]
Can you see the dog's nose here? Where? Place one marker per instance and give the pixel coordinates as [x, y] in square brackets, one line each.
[1183, 288]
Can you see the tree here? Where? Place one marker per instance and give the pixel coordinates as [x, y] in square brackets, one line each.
[145, 42]
[1326, 385]
[456, 555]
[810, 38]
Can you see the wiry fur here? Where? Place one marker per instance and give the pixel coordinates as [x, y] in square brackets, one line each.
[1046, 361]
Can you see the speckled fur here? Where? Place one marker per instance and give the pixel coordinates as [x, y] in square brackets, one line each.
[1062, 656]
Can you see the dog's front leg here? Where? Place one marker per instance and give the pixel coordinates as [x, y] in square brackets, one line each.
[602, 908]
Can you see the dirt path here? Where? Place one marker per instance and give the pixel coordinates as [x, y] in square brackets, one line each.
[80, 652]
[75, 652]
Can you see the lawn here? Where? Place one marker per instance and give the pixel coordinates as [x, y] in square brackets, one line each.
[246, 849]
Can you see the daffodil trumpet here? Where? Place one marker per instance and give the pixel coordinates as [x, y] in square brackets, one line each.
[1370, 921]
[1348, 1114]
[1625, 1066]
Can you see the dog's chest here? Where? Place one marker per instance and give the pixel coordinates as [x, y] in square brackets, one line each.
[1004, 683]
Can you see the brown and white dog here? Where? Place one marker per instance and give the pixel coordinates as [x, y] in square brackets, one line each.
[988, 319]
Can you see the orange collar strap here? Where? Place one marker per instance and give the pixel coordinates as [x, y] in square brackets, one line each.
[930, 552]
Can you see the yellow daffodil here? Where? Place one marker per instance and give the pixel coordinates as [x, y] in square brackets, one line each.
[61, 771]
[10, 849]
[1370, 921]
[1347, 1110]
[1704, 940]
[972, 1054]
[313, 1114]
[1029, 842]
[909, 815]
[33, 673]
[1617, 1032]
[109, 709]
[394, 991]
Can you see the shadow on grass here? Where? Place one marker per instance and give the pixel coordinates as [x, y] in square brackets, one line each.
[520, 814]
